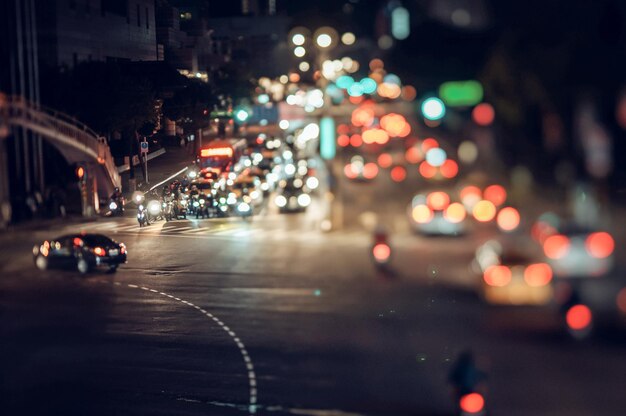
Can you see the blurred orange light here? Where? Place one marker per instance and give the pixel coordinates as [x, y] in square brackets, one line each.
[294, 77]
[376, 64]
[375, 136]
[428, 144]
[484, 211]
[449, 169]
[398, 174]
[370, 170]
[385, 160]
[495, 194]
[438, 201]
[556, 246]
[497, 275]
[472, 403]
[99, 251]
[540, 231]
[408, 93]
[343, 140]
[422, 214]
[483, 114]
[578, 317]
[413, 155]
[455, 213]
[600, 245]
[363, 116]
[508, 219]
[539, 274]
[395, 124]
[356, 140]
[427, 170]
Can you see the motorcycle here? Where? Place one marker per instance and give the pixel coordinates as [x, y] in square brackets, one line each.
[142, 216]
[244, 209]
[468, 383]
[154, 210]
[381, 251]
[168, 210]
[116, 206]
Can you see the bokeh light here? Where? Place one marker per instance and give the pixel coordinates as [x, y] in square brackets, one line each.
[370, 170]
[578, 317]
[343, 140]
[436, 156]
[449, 169]
[556, 246]
[484, 211]
[429, 143]
[427, 170]
[438, 200]
[600, 245]
[433, 108]
[398, 173]
[455, 213]
[495, 194]
[413, 155]
[497, 275]
[356, 140]
[508, 219]
[539, 274]
[421, 214]
[483, 114]
[385, 160]
[467, 152]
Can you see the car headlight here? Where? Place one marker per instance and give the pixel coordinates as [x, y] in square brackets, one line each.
[202, 202]
[224, 208]
[183, 202]
[196, 204]
[280, 201]
[140, 207]
[255, 194]
[112, 206]
[193, 174]
[243, 207]
[312, 182]
[154, 207]
[231, 200]
[304, 200]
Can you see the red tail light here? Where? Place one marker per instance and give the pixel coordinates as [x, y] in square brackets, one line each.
[578, 317]
[438, 201]
[497, 276]
[381, 252]
[122, 248]
[422, 214]
[472, 403]
[539, 274]
[99, 251]
[600, 245]
[556, 246]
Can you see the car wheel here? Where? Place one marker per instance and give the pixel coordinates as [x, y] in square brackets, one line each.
[41, 262]
[82, 266]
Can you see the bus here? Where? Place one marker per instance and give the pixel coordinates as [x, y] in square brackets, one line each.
[221, 155]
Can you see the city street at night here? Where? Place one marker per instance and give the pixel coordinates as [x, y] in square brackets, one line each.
[332, 208]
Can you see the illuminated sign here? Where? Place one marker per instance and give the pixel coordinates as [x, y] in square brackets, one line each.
[216, 151]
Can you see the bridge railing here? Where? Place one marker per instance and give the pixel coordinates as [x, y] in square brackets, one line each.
[64, 128]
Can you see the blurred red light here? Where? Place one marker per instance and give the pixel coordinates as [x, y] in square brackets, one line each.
[483, 114]
[438, 201]
[508, 219]
[428, 144]
[449, 169]
[413, 155]
[381, 252]
[539, 274]
[343, 140]
[343, 129]
[385, 160]
[498, 276]
[484, 211]
[495, 194]
[472, 403]
[427, 170]
[349, 171]
[556, 246]
[356, 140]
[370, 170]
[600, 245]
[578, 317]
[398, 174]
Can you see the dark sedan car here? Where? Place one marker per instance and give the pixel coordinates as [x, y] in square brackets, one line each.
[82, 252]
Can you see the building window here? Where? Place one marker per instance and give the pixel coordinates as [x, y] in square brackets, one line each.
[138, 16]
[147, 18]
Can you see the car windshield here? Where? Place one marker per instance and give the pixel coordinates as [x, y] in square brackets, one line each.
[95, 239]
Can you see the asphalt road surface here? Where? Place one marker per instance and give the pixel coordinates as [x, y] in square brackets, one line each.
[273, 317]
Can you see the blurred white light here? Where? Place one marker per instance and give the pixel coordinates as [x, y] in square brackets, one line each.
[298, 183]
[291, 99]
[304, 66]
[304, 200]
[461, 17]
[280, 201]
[290, 169]
[311, 131]
[299, 51]
[263, 99]
[283, 124]
[312, 182]
[298, 39]
[284, 79]
[436, 156]
[324, 40]
[302, 170]
[348, 38]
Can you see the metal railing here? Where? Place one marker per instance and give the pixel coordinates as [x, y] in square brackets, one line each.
[62, 128]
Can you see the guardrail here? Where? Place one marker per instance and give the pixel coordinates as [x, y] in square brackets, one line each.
[63, 128]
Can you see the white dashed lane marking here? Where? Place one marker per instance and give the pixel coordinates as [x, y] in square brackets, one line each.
[252, 383]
